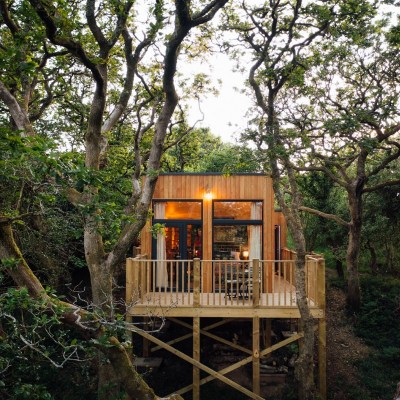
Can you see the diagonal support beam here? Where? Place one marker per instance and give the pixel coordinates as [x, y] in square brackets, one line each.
[215, 337]
[243, 362]
[201, 366]
[189, 335]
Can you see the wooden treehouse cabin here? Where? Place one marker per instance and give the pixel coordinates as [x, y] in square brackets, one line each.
[215, 250]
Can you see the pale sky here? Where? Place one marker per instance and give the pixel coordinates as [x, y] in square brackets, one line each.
[223, 114]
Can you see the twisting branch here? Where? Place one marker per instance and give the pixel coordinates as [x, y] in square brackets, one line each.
[128, 377]
[18, 115]
[381, 185]
[332, 217]
[72, 46]
[11, 24]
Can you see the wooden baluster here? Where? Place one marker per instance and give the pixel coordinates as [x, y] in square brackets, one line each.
[196, 282]
[256, 282]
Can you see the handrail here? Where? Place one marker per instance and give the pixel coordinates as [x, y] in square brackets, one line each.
[232, 283]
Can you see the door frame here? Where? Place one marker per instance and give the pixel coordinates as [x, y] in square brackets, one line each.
[183, 229]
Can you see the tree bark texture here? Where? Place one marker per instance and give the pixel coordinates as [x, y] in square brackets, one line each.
[132, 383]
[353, 248]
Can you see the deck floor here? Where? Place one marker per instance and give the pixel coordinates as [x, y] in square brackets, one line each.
[184, 299]
[282, 302]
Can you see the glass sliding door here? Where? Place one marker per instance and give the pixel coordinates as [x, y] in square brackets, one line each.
[179, 241]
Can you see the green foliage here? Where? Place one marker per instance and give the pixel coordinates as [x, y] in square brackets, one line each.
[380, 374]
[381, 229]
[37, 353]
[201, 151]
[155, 229]
[319, 193]
[379, 320]
[379, 325]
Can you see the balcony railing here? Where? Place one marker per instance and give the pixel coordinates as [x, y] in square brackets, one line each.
[222, 283]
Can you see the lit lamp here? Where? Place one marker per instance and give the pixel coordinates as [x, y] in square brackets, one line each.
[245, 254]
[208, 195]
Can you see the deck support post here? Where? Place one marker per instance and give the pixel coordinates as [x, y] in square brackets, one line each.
[256, 355]
[146, 343]
[196, 357]
[196, 329]
[267, 332]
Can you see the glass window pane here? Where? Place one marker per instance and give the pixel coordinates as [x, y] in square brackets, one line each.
[238, 210]
[177, 210]
[237, 242]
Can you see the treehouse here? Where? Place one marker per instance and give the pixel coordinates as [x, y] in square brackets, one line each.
[215, 250]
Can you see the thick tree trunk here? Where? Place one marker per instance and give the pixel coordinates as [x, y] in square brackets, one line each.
[304, 367]
[132, 383]
[353, 251]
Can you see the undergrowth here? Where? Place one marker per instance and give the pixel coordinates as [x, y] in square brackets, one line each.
[378, 324]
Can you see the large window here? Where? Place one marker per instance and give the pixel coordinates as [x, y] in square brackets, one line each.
[237, 230]
[238, 210]
[177, 210]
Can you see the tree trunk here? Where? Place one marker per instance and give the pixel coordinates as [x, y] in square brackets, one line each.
[374, 258]
[132, 383]
[304, 367]
[353, 250]
[339, 268]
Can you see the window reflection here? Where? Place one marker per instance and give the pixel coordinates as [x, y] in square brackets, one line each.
[177, 210]
[238, 210]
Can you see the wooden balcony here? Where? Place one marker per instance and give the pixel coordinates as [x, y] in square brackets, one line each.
[215, 288]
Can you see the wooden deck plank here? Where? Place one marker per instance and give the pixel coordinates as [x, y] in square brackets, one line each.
[218, 312]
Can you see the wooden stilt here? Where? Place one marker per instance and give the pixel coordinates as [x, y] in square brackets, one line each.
[267, 323]
[146, 343]
[256, 355]
[196, 357]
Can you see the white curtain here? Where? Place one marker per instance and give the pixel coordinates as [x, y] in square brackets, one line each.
[162, 273]
[255, 231]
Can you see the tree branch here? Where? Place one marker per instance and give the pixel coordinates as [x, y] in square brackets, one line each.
[18, 115]
[381, 185]
[73, 47]
[12, 26]
[332, 217]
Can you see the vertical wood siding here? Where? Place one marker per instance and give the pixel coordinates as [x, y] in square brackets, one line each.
[236, 187]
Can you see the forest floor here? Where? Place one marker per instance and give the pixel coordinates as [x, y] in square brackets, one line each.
[344, 348]
[348, 359]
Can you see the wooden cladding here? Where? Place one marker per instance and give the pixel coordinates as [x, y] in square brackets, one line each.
[252, 187]
[235, 187]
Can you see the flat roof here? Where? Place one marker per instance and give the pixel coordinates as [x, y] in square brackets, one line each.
[214, 173]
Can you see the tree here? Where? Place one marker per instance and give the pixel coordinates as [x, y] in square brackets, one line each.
[88, 50]
[319, 192]
[352, 130]
[278, 35]
[380, 231]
